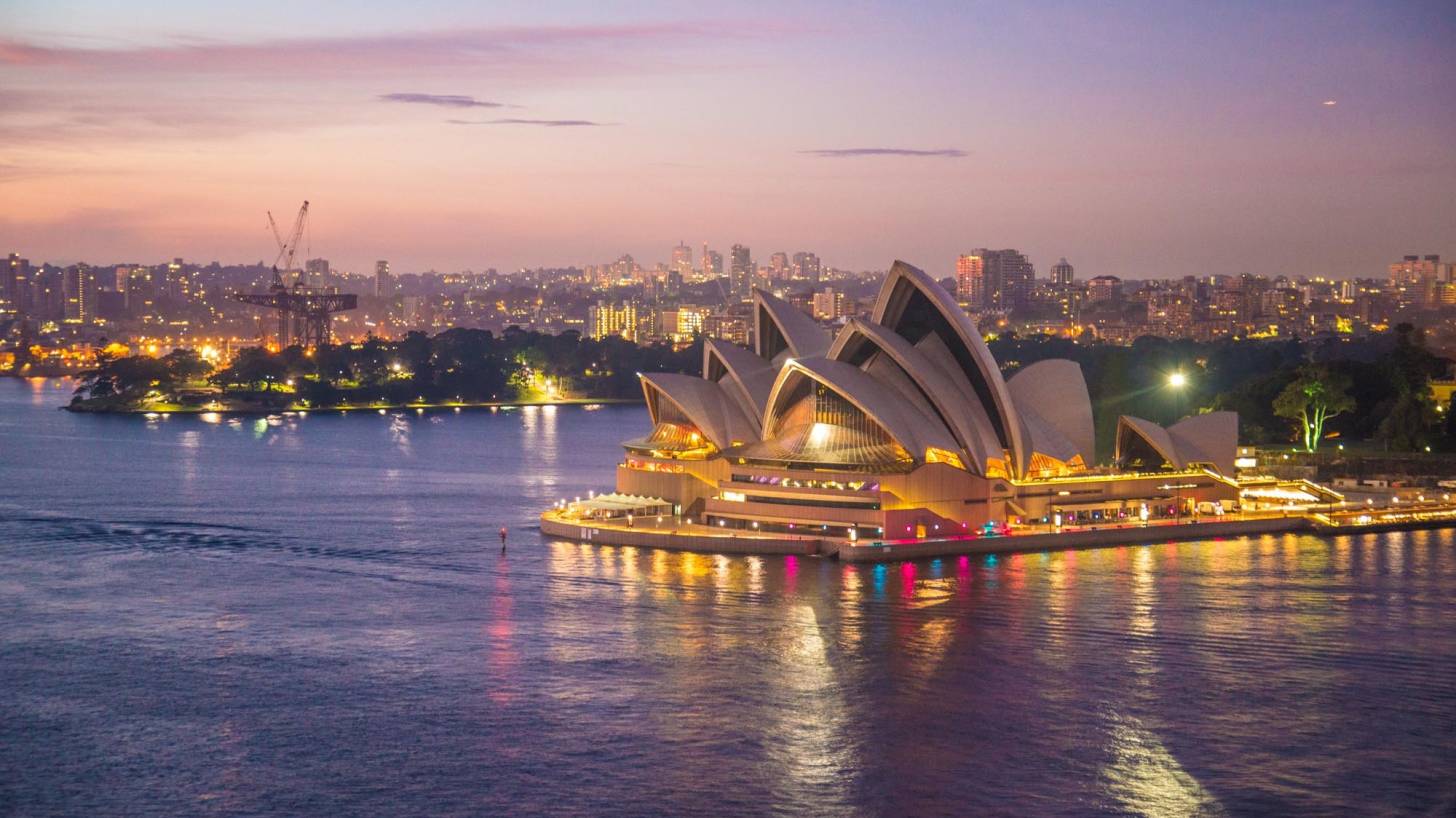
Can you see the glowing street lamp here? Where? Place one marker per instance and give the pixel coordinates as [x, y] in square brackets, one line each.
[1177, 381]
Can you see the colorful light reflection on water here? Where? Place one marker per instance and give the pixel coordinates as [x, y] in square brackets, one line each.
[315, 617]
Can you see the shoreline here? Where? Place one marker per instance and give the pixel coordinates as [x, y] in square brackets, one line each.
[701, 539]
[173, 409]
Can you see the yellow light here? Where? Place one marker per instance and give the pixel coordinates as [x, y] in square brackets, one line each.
[1177, 380]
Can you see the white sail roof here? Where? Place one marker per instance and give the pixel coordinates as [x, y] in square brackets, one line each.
[907, 425]
[750, 377]
[914, 305]
[1054, 393]
[778, 327]
[1212, 437]
[704, 402]
[949, 396]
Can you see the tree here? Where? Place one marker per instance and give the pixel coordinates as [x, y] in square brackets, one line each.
[185, 366]
[1404, 428]
[124, 381]
[251, 367]
[1315, 395]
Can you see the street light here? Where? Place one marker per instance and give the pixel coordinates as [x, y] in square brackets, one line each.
[1176, 381]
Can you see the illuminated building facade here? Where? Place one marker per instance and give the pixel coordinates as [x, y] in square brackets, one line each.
[902, 426]
[612, 319]
[971, 279]
[78, 289]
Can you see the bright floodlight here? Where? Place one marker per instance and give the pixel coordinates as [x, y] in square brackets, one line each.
[1177, 380]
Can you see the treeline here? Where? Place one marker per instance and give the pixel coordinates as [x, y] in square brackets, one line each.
[1368, 389]
[456, 365]
[1387, 378]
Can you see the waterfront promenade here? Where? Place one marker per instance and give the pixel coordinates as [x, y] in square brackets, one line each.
[685, 536]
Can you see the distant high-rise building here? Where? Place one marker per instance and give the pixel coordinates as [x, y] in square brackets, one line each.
[682, 259]
[712, 263]
[994, 279]
[728, 327]
[778, 266]
[1415, 269]
[740, 272]
[15, 284]
[1104, 288]
[140, 290]
[1014, 278]
[47, 293]
[684, 322]
[317, 272]
[1422, 279]
[611, 319]
[807, 267]
[383, 281]
[177, 280]
[971, 279]
[625, 270]
[1062, 273]
[78, 293]
[828, 305]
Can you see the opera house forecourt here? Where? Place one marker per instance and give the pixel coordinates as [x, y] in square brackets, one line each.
[899, 436]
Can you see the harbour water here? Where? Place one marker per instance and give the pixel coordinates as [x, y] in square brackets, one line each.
[313, 616]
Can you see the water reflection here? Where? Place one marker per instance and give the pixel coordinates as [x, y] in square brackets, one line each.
[296, 601]
[807, 747]
[503, 659]
[1145, 779]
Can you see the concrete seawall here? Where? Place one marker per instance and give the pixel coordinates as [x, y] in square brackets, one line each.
[710, 543]
[1102, 537]
[677, 541]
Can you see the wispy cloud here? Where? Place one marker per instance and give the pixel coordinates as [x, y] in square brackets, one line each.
[507, 49]
[545, 123]
[443, 100]
[19, 173]
[843, 153]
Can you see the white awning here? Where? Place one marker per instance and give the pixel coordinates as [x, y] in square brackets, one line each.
[621, 503]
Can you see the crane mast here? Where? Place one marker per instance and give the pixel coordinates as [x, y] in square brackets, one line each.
[303, 312]
[287, 249]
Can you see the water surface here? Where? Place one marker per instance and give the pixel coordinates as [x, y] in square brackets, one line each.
[313, 617]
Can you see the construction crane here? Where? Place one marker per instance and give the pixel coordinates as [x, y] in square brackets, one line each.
[303, 312]
[287, 250]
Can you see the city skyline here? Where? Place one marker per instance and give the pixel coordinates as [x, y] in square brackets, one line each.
[450, 138]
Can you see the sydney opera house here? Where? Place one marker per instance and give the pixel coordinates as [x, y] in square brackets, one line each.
[903, 427]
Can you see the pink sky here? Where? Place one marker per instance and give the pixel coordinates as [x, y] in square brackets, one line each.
[1143, 140]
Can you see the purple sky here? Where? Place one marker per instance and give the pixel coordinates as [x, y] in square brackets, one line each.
[1141, 139]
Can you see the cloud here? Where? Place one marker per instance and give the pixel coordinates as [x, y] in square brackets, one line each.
[11, 173]
[545, 123]
[95, 91]
[19, 173]
[841, 153]
[444, 100]
[516, 50]
[42, 118]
